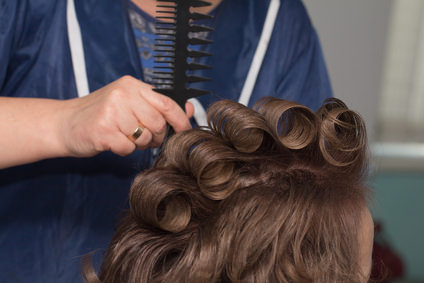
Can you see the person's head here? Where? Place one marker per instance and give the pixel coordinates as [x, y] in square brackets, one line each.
[272, 195]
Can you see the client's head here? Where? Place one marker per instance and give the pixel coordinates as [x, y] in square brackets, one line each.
[275, 194]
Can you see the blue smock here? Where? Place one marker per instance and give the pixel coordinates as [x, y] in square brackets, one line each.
[54, 211]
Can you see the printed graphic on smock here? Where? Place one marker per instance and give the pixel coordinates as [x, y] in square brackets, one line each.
[144, 33]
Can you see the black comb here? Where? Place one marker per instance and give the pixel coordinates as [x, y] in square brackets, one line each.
[174, 60]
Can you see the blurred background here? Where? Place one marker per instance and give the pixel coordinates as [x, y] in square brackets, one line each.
[375, 56]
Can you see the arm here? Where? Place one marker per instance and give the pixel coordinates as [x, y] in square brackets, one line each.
[29, 130]
[34, 129]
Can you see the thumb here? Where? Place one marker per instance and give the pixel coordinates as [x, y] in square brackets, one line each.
[189, 109]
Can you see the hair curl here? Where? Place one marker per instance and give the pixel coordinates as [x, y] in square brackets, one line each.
[266, 195]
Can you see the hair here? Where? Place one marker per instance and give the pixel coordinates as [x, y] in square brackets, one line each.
[272, 194]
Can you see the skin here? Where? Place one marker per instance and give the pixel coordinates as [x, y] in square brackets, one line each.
[366, 239]
[34, 129]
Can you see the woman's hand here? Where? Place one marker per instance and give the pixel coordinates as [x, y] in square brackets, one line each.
[105, 119]
[34, 129]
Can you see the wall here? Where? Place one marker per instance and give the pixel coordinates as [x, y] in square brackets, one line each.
[353, 36]
[399, 206]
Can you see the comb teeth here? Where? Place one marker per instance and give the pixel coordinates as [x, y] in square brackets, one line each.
[197, 28]
[199, 3]
[197, 79]
[174, 58]
[195, 54]
[195, 66]
[198, 41]
[197, 16]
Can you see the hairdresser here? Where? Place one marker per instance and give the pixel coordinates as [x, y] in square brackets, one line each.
[79, 117]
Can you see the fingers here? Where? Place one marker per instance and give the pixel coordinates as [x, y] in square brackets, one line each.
[121, 145]
[140, 138]
[189, 109]
[167, 107]
[106, 119]
[145, 140]
[153, 110]
[152, 120]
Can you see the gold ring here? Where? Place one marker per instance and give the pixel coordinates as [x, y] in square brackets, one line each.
[137, 133]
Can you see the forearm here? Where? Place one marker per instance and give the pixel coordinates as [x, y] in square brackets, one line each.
[33, 129]
[29, 130]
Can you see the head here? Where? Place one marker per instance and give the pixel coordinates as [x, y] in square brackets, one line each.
[275, 194]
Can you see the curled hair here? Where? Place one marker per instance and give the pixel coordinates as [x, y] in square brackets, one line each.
[272, 194]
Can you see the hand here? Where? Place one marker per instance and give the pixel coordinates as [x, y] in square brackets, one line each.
[106, 118]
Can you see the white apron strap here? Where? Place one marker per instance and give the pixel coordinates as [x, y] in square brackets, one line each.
[260, 52]
[77, 50]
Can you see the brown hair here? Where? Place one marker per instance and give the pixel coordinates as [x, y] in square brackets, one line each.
[273, 194]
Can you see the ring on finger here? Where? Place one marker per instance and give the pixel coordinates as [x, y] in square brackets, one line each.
[137, 133]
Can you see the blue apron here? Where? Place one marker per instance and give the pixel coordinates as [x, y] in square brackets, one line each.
[54, 211]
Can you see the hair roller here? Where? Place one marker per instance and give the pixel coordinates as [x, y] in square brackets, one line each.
[213, 209]
[342, 134]
[180, 145]
[177, 213]
[330, 104]
[216, 180]
[243, 127]
[159, 198]
[212, 164]
[294, 125]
